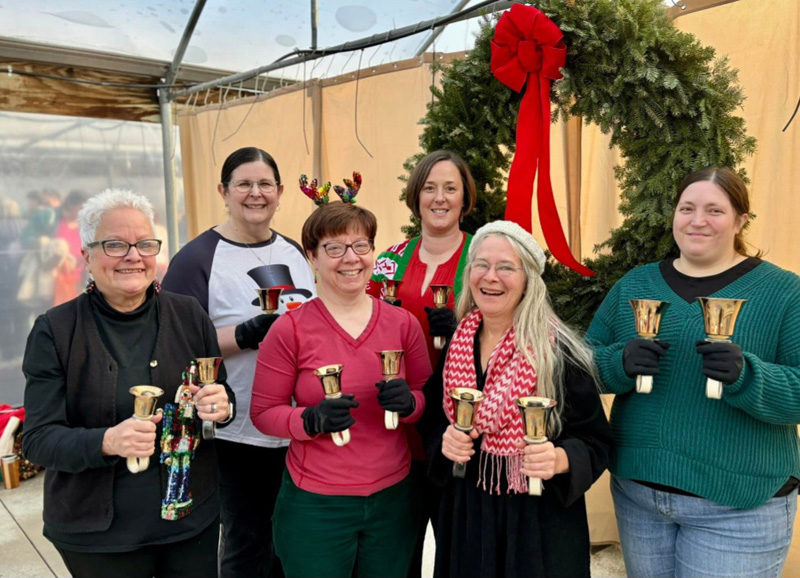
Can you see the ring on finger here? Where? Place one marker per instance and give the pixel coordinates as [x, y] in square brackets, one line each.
[213, 408]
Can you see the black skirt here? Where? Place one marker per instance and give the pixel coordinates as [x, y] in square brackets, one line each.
[509, 535]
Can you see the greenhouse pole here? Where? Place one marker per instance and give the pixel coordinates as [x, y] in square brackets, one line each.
[167, 140]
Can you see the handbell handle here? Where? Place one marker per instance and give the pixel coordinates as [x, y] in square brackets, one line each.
[391, 419]
[713, 389]
[136, 465]
[534, 486]
[209, 430]
[459, 469]
[341, 438]
[438, 342]
[644, 383]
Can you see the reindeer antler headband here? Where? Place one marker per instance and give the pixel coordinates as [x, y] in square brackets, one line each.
[320, 194]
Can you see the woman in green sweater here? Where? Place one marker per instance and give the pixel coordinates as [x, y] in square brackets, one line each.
[701, 486]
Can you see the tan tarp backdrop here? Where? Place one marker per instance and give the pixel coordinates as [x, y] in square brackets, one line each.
[760, 38]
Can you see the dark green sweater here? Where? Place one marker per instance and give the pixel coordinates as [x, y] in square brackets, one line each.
[736, 451]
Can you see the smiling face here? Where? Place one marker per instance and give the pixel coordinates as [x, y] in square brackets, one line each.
[441, 199]
[705, 225]
[123, 281]
[251, 207]
[497, 294]
[346, 275]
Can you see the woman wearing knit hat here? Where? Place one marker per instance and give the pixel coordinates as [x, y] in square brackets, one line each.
[510, 344]
[705, 486]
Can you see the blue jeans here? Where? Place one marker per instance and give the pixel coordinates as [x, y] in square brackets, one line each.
[666, 534]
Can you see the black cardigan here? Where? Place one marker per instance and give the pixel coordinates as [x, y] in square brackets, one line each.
[69, 409]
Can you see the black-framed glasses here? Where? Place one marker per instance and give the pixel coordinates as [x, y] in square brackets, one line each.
[245, 187]
[119, 248]
[336, 250]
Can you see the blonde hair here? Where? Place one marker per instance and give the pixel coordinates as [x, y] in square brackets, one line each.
[546, 341]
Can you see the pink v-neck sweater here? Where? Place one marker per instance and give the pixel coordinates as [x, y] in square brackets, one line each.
[308, 338]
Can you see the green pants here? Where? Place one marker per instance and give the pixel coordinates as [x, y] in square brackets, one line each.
[327, 536]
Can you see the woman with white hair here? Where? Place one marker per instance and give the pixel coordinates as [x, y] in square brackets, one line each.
[510, 344]
[81, 359]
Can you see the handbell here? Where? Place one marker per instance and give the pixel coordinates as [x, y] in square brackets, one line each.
[441, 293]
[466, 400]
[390, 290]
[269, 298]
[144, 407]
[390, 367]
[647, 316]
[331, 378]
[207, 372]
[535, 416]
[719, 317]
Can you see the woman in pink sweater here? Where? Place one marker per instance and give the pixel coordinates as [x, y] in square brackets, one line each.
[349, 506]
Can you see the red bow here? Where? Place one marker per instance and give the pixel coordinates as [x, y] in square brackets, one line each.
[527, 47]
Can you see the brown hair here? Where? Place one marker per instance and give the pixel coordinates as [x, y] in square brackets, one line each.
[420, 174]
[337, 218]
[734, 188]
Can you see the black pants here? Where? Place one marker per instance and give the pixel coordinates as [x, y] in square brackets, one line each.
[249, 480]
[191, 558]
[426, 504]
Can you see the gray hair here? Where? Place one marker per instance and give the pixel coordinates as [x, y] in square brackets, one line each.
[95, 207]
[545, 340]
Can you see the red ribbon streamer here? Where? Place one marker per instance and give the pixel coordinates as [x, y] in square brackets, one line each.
[527, 48]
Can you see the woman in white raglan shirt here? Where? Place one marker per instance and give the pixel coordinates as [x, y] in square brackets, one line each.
[222, 268]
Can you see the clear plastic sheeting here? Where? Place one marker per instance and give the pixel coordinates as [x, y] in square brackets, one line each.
[233, 36]
[49, 165]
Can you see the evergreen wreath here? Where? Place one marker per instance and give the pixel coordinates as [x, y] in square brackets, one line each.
[668, 104]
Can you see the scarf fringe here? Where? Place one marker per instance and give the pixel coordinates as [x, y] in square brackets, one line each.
[490, 467]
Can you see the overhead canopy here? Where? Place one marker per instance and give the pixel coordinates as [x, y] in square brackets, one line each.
[131, 44]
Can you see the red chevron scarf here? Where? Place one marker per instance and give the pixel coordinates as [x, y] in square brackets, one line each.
[509, 376]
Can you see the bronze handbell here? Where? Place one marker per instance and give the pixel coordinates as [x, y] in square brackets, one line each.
[441, 293]
[719, 316]
[390, 290]
[466, 400]
[647, 316]
[207, 371]
[390, 367]
[331, 378]
[269, 298]
[535, 416]
[144, 406]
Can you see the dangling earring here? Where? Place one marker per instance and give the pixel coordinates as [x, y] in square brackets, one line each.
[90, 286]
[157, 286]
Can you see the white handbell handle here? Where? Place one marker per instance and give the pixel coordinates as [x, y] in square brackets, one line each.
[391, 419]
[644, 383]
[438, 342]
[713, 389]
[534, 486]
[136, 465]
[341, 438]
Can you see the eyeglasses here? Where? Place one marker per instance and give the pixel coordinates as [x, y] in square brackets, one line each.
[504, 270]
[337, 250]
[118, 248]
[247, 186]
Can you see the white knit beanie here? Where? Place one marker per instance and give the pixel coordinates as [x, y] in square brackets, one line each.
[511, 229]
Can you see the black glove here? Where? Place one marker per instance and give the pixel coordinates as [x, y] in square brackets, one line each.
[329, 415]
[442, 321]
[722, 360]
[640, 356]
[396, 303]
[252, 332]
[395, 395]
